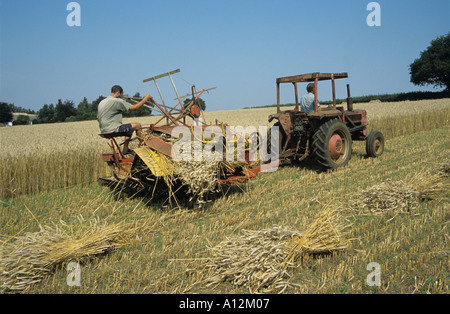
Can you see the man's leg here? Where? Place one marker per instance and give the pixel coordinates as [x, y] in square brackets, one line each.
[135, 127]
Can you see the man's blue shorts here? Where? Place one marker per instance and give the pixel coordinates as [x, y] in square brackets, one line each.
[126, 129]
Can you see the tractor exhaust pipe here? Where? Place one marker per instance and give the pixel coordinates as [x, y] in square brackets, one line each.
[349, 99]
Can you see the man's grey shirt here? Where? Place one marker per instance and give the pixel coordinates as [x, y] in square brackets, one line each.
[110, 112]
[307, 103]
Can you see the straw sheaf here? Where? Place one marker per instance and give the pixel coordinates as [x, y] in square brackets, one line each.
[34, 256]
[261, 259]
[323, 236]
[199, 177]
[401, 196]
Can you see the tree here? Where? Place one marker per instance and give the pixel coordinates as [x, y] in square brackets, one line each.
[64, 110]
[51, 113]
[46, 113]
[83, 107]
[84, 111]
[200, 102]
[433, 66]
[5, 113]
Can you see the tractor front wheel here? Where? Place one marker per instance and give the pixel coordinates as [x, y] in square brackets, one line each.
[332, 145]
[375, 144]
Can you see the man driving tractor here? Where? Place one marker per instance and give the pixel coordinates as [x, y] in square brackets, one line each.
[307, 102]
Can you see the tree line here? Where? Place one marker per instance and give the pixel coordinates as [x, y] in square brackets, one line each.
[6, 113]
[62, 111]
[66, 111]
[85, 110]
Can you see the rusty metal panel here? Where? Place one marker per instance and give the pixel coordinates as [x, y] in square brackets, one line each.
[325, 112]
[108, 157]
[166, 129]
[286, 122]
[159, 145]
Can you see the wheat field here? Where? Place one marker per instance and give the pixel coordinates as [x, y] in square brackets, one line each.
[44, 157]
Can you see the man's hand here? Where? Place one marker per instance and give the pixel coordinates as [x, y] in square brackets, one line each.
[148, 97]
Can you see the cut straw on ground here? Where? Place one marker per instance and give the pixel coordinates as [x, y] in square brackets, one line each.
[402, 196]
[261, 260]
[33, 256]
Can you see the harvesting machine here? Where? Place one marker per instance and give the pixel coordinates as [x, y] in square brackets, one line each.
[151, 168]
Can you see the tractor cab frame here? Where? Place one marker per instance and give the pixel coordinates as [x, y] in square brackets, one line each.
[326, 134]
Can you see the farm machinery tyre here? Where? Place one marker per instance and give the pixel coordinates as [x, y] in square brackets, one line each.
[281, 140]
[375, 144]
[332, 144]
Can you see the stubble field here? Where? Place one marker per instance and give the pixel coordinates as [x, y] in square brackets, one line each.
[48, 175]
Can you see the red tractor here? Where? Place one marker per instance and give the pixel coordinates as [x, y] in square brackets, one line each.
[325, 134]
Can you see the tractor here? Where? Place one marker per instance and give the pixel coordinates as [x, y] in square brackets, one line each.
[325, 134]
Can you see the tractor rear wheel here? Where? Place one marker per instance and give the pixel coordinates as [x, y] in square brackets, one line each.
[332, 144]
[375, 144]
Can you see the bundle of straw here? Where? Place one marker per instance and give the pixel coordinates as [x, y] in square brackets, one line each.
[200, 177]
[34, 256]
[253, 259]
[323, 236]
[430, 186]
[386, 197]
[261, 259]
[401, 196]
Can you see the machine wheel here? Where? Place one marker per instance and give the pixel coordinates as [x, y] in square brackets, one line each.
[332, 144]
[281, 141]
[375, 144]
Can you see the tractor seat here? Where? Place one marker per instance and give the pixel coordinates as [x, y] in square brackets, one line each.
[111, 135]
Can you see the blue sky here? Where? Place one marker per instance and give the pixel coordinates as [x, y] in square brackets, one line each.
[238, 46]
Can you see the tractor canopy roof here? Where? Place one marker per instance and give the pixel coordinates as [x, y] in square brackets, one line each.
[311, 77]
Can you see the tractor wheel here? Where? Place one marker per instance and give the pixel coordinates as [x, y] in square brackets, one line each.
[332, 145]
[375, 144]
[281, 141]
